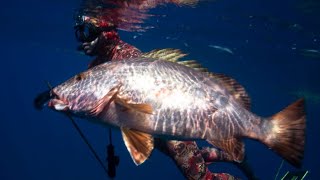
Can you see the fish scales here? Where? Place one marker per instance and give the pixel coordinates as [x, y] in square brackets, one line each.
[166, 99]
[172, 91]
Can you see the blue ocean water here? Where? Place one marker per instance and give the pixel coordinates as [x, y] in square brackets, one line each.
[274, 56]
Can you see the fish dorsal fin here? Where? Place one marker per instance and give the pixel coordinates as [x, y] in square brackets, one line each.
[193, 64]
[168, 54]
[139, 144]
[174, 55]
[234, 147]
[236, 90]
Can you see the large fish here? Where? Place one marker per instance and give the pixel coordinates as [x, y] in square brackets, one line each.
[149, 97]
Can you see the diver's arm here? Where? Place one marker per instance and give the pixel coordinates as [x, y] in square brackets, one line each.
[109, 47]
[211, 155]
[188, 158]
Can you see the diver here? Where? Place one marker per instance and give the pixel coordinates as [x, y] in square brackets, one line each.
[100, 38]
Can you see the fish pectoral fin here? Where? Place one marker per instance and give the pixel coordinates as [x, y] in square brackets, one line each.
[104, 103]
[234, 147]
[143, 108]
[139, 144]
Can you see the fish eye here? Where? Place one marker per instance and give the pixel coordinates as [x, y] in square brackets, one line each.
[79, 77]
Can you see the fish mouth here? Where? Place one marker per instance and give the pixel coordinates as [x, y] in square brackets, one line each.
[57, 102]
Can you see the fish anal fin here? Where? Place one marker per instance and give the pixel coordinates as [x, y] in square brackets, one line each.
[234, 147]
[139, 144]
[236, 89]
[143, 108]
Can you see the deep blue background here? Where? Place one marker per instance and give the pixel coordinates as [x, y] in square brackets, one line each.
[38, 45]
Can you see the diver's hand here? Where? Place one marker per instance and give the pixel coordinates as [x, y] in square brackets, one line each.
[90, 48]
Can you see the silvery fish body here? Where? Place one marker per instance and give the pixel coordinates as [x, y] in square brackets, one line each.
[170, 100]
[185, 103]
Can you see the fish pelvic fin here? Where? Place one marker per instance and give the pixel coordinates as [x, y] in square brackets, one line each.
[286, 134]
[234, 147]
[139, 144]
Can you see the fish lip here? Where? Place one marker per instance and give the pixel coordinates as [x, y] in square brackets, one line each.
[57, 102]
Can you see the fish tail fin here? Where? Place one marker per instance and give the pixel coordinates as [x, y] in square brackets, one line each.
[286, 134]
